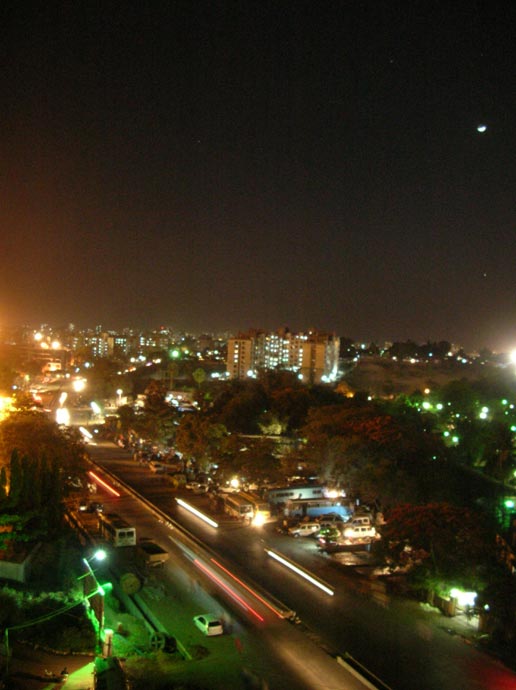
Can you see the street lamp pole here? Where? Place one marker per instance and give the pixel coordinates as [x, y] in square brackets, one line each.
[95, 595]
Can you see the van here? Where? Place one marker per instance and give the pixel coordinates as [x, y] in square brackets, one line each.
[360, 532]
[331, 518]
[304, 529]
[361, 521]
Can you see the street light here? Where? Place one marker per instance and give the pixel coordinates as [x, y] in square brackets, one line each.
[94, 594]
[97, 592]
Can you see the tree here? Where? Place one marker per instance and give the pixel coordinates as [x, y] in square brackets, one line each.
[34, 435]
[159, 419]
[199, 376]
[458, 542]
[199, 438]
[258, 461]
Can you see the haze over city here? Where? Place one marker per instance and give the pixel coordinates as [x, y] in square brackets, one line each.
[346, 166]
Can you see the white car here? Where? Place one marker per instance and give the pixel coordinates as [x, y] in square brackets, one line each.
[304, 529]
[191, 486]
[360, 532]
[209, 624]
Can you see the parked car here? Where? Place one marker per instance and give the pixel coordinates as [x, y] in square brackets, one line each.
[360, 521]
[209, 624]
[331, 518]
[200, 489]
[191, 485]
[304, 529]
[360, 532]
[157, 467]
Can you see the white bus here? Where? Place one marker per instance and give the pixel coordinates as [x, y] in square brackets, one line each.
[238, 506]
[289, 493]
[261, 508]
[116, 531]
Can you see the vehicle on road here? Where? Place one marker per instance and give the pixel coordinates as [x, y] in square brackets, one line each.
[150, 554]
[239, 507]
[261, 509]
[190, 486]
[200, 489]
[157, 467]
[90, 507]
[304, 529]
[115, 530]
[209, 624]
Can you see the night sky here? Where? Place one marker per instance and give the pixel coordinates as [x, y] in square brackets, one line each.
[216, 166]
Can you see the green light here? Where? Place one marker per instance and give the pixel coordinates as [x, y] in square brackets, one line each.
[513, 428]
[439, 406]
[504, 401]
[174, 354]
[446, 433]
[455, 439]
[509, 503]
[426, 405]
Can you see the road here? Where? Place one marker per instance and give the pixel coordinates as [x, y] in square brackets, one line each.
[397, 639]
[274, 649]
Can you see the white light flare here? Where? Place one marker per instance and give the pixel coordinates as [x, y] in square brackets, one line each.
[300, 572]
[197, 513]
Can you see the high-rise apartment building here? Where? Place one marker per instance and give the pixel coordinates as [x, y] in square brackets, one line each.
[313, 356]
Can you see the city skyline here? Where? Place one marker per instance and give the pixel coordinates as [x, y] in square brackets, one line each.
[348, 168]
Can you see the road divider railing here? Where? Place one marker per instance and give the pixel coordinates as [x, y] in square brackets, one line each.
[361, 672]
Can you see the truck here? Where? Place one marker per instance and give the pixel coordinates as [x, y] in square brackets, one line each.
[150, 555]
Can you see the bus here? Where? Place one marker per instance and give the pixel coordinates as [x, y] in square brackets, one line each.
[289, 493]
[315, 508]
[261, 508]
[238, 506]
[115, 530]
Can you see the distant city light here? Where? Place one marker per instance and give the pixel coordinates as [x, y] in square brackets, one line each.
[482, 128]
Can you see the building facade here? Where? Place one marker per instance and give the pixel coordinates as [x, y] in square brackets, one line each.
[313, 356]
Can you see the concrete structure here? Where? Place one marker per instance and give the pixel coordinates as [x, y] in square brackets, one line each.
[17, 566]
[313, 356]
